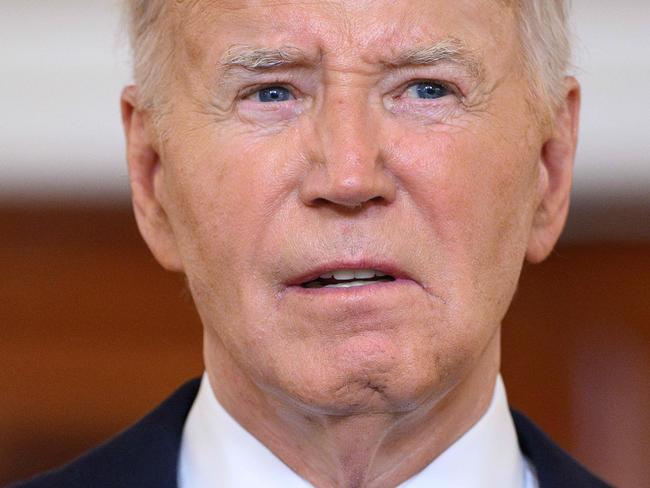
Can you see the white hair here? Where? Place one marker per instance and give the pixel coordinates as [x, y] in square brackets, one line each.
[546, 48]
[543, 25]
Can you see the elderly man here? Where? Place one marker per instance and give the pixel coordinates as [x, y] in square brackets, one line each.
[351, 188]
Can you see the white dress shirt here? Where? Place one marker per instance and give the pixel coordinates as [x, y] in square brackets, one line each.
[216, 452]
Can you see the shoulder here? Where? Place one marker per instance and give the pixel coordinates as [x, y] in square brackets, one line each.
[555, 468]
[144, 455]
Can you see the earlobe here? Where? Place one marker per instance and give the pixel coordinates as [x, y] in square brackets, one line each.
[555, 176]
[147, 186]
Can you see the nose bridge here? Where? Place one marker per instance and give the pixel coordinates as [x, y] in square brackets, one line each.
[346, 133]
[349, 150]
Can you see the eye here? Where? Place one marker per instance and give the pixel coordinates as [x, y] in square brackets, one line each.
[427, 90]
[273, 94]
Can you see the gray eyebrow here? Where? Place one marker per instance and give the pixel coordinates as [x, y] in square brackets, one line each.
[253, 58]
[450, 50]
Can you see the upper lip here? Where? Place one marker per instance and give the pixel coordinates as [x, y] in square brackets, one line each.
[322, 268]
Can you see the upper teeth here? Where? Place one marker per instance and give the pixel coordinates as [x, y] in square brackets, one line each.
[352, 274]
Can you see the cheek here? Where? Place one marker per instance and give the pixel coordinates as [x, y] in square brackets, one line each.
[223, 197]
[474, 189]
[228, 206]
[463, 181]
[224, 194]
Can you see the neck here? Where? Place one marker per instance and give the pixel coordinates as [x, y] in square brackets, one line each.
[357, 450]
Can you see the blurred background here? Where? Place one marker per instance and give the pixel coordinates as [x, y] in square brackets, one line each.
[93, 333]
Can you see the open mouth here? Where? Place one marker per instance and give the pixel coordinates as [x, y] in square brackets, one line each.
[348, 278]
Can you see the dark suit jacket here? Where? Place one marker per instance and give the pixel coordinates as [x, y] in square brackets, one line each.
[146, 454]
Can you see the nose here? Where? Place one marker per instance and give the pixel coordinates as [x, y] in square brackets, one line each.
[346, 158]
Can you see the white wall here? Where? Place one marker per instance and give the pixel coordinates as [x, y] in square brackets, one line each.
[63, 63]
[612, 52]
[62, 66]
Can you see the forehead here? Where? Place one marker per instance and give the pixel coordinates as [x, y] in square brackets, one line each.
[362, 29]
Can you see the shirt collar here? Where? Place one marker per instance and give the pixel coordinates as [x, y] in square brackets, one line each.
[217, 451]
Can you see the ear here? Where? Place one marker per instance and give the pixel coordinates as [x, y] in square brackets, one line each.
[555, 175]
[147, 183]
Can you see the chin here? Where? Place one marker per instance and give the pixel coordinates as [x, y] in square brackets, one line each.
[365, 395]
[361, 383]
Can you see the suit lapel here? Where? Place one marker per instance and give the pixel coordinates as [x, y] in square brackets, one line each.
[555, 468]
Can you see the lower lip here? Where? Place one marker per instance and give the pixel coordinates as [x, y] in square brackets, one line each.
[379, 287]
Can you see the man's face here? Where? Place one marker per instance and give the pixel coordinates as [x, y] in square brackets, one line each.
[308, 138]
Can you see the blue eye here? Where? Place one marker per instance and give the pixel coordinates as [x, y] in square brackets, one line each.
[427, 90]
[274, 94]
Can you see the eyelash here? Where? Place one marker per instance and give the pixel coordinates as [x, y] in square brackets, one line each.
[449, 87]
[254, 89]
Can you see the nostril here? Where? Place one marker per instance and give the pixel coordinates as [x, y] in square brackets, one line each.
[320, 201]
[348, 205]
